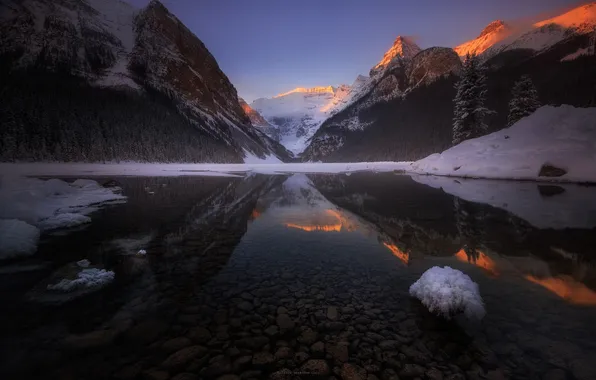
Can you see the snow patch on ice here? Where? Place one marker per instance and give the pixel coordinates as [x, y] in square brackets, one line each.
[447, 291]
[53, 203]
[66, 220]
[17, 238]
[87, 278]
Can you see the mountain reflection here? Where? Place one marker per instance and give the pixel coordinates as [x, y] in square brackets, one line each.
[567, 288]
[481, 260]
[403, 256]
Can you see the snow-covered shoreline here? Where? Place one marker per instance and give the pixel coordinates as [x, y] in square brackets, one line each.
[166, 170]
[554, 144]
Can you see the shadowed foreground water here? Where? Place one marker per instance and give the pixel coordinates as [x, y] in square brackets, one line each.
[306, 276]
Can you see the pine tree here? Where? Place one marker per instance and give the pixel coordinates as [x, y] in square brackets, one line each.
[470, 111]
[524, 100]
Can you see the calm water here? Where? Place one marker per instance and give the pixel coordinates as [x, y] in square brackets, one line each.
[294, 276]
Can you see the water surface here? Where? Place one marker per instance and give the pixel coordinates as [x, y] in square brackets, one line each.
[295, 276]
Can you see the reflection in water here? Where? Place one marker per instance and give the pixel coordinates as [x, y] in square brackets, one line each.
[480, 259]
[403, 256]
[567, 288]
[335, 227]
[212, 276]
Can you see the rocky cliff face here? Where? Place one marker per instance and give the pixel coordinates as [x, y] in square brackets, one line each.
[431, 64]
[110, 46]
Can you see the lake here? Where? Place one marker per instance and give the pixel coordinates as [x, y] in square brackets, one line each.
[307, 276]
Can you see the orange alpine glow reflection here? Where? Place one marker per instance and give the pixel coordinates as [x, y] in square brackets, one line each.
[403, 256]
[483, 261]
[341, 223]
[567, 288]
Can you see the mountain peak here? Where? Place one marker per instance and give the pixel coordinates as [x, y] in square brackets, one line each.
[403, 48]
[493, 33]
[582, 18]
[311, 90]
[494, 26]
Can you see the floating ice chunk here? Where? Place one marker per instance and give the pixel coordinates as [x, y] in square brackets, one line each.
[17, 238]
[87, 278]
[86, 183]
[83, 263]
[447, 291]
[142, 252]
[66, 220]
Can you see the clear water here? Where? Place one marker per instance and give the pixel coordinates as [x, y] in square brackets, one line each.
[295, 276]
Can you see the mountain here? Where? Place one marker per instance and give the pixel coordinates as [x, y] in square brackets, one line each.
[297, 114]
[407, 111]
[111, 82]
[494, 32]
[547, 33]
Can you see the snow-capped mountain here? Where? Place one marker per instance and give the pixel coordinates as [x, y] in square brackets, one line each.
[402, 50]
[499, 36]
[494, 32]
[405, 110]
[297, 114]
[147, 53]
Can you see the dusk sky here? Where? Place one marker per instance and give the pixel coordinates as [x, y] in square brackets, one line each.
[267, 47]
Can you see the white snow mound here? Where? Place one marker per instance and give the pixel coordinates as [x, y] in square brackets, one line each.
[447, 291]
[87, 278]
[17, 238]
[564, 137]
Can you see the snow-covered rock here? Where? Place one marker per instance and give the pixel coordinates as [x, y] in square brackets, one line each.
[17, 238]
[431, 64]
[86, 278]
[552, 144]
[447, 292]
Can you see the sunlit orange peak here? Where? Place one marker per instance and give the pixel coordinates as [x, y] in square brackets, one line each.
[483, 261]
[403, 256]
[567, 288]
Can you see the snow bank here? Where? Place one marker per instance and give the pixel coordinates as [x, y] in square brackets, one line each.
[17, 238]
[86, 278]
[446, 291]
[564, 137]
[53, 203]
[557, 206]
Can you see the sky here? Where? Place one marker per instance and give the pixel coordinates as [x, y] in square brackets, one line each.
[267, 47]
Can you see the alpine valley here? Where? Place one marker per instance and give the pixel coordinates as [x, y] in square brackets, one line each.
[99, 80]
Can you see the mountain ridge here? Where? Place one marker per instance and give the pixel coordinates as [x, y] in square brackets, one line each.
[112, 46]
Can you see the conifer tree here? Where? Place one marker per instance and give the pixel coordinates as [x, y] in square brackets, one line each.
[470, 111]
[524, 100]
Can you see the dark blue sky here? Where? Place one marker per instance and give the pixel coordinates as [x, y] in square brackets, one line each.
[270, 46]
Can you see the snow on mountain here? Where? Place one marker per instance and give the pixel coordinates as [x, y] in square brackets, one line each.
[552, 144]
[108, 43]
[403, 49]
[297, 114]
[494, 32]
[543, 34]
